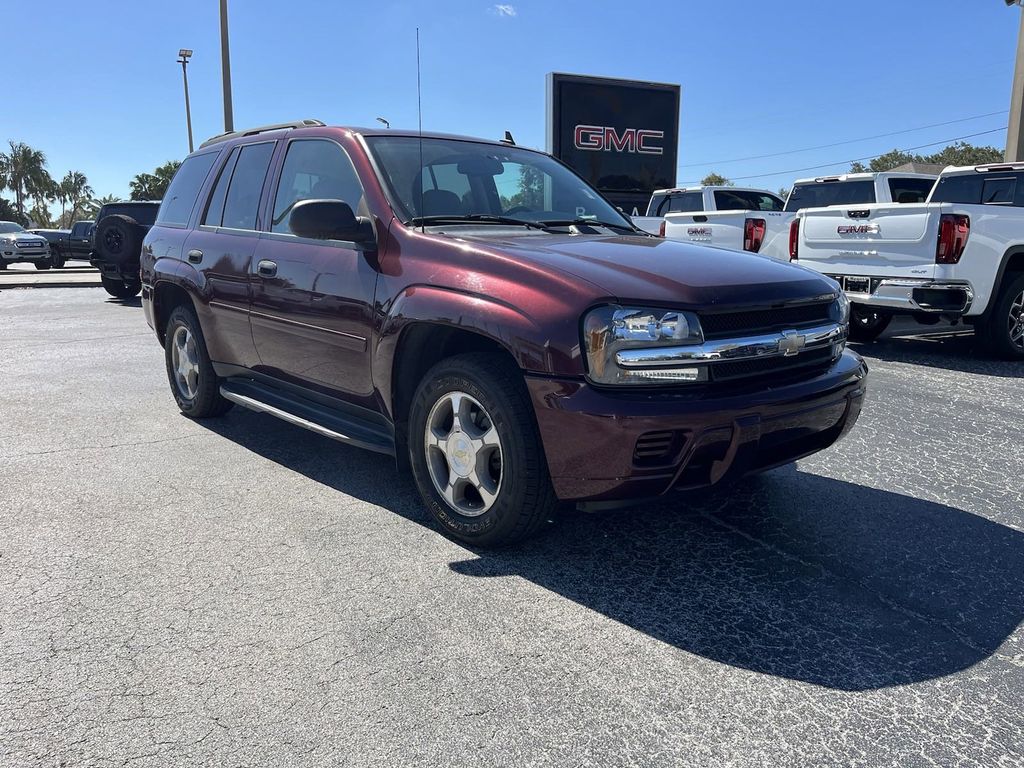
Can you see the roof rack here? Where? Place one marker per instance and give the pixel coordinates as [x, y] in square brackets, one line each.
[308, 123]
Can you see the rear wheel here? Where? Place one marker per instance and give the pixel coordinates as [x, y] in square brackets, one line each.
[194, 384]
[866, 325]
[1003, 332]
[120, 289]
[475, 451]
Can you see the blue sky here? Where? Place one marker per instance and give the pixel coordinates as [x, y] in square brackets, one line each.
[757, 78]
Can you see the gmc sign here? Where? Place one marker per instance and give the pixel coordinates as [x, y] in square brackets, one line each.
[620, 135]
[606, 138]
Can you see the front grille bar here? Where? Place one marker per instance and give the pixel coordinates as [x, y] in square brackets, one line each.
[782, 344]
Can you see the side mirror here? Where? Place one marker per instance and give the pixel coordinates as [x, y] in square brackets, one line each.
[329, 220]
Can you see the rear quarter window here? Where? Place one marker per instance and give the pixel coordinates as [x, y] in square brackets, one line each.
[910, 190]
[184, 188]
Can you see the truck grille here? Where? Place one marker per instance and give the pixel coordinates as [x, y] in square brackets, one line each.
[751, 322]
[806, 363]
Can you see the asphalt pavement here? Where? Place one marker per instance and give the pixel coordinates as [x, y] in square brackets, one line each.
[241, 592]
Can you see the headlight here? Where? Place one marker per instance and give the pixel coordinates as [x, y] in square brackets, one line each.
[841, 309]
[610, 329]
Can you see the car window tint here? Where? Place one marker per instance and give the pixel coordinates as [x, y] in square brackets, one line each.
[904, 190]
[1000, 191]
[243, 199]
[746, 200]
[958, 189]
[655, 205]
[180, 198]
[818, 194]
[314, 169]
[215, 208]
[682, 203]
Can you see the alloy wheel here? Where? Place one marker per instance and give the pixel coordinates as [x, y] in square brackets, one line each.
[1015, 321]
[463, 452]
[185, 362]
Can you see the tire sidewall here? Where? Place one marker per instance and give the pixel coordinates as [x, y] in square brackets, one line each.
[501, 519]
[997, 328]
[207, 386]
[131, 240]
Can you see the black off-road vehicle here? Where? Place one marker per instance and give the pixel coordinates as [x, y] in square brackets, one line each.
[120, 228]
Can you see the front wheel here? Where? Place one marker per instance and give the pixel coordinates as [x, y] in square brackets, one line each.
[194, 383]
[44, 264]
[1003, 332]
[120, 289]
[475, 451]
[866, 325]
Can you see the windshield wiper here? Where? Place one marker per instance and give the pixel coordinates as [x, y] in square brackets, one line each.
[472, 218]
[591, 223]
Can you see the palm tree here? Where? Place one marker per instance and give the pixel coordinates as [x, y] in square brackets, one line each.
[77, 190]
[91, 207]
[22, 171]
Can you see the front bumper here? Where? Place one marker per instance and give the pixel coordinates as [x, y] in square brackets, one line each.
[909, 294]
[11, 253]
[609, 446]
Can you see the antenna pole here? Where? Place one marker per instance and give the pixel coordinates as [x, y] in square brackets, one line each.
[419, 114]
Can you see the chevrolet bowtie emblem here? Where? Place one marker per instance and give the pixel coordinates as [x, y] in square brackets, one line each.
[791, 343]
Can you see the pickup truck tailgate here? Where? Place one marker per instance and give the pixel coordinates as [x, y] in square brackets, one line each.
[885, 240]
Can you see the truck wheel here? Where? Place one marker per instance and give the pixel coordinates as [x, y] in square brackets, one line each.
[120, 289]
[58, 261]
[194, 384]
[1003, 333]
[118, 239]
[866, 325]
[475, 451]
[44, 264]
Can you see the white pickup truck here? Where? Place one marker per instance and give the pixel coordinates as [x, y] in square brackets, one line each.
[960, 255]
[729, 217]
[758, 221]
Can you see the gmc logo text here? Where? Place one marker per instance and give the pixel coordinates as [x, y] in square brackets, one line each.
[605, 138]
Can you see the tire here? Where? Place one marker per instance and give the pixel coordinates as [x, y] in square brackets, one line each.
[197, 392]
[119, 239]
[3, 264]
[866, 325]
[58, 261]
[491, 393]
[44, 264]
[121, 289]
[1003, 331]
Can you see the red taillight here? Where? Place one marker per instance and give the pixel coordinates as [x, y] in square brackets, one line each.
[953, 233]
[753, 235]
[794, 240]
[661, 229]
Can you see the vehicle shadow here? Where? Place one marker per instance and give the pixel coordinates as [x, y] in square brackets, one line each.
[953, 348]
[134, 301]
[791, 574]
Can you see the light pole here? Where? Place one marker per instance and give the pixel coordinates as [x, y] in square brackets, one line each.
[183, 56]
[225, 66]
[1015, 131]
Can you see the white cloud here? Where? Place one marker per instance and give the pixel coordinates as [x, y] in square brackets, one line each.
[504, 10]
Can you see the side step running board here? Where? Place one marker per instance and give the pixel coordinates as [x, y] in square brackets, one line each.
[308, 415]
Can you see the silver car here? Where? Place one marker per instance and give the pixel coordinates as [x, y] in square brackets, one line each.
[18, 245]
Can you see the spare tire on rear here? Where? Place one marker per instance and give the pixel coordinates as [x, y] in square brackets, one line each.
[119, 239]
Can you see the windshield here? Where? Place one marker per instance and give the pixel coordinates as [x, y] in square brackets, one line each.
[6, 227]
[465, 179]
[818, 194]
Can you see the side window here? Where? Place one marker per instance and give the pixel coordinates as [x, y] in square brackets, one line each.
[684, 203]
[655, 205]
[909, 190]
[964, 188]
[215, 208]
[999, 191]
[243, 199]
[314, 169]
[180, 198]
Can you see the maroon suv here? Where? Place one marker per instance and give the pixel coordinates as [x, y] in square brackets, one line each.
[481, 313]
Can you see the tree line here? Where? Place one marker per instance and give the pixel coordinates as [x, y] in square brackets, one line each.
[24, 174]
[961, 153]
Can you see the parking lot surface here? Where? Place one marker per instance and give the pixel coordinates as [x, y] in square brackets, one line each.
[241, 592]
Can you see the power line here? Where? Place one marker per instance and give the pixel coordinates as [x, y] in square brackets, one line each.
[856, 159]
[841, 143]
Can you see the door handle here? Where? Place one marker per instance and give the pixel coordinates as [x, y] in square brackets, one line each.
[266, 268]
[195, 256]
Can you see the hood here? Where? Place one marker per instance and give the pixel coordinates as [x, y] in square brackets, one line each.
[23, 236]
[649, 269]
